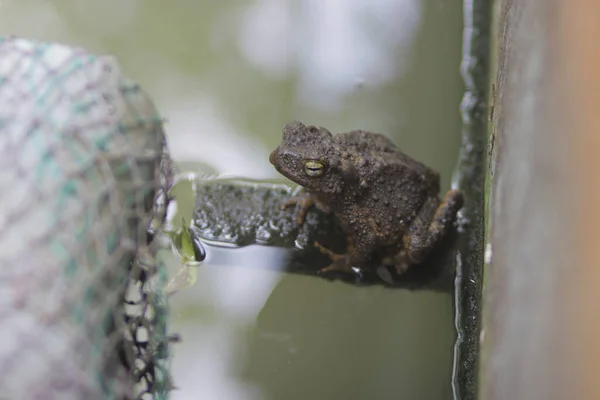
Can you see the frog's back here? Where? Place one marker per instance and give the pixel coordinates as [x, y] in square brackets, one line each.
[363, 141]
[379, 149]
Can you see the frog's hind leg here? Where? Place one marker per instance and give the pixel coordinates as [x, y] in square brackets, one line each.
[432, 225]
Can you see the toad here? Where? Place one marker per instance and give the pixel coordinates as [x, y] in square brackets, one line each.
[386, 201]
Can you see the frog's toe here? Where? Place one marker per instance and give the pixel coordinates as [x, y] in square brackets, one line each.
[338, 266]
[400, 261]
[328, 252]
[340, 262]
[453, 202]
[402, 266]
[291, 202]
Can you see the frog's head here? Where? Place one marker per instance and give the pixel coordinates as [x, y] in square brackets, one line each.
[308, 156]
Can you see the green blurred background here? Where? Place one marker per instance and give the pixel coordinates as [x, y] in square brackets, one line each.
[228, 75]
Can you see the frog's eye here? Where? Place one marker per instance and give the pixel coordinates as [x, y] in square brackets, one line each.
[313, 168]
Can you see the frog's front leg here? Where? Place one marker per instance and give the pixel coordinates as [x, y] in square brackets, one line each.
[433, 224]
[305, 201]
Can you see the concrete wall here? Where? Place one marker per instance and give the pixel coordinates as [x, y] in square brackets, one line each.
[541, 317]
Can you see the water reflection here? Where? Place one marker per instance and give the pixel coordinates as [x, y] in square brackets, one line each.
[213, 318]
[357, 344]
[228, 75]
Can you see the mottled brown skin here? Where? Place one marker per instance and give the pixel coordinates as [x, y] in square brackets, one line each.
[387, 202]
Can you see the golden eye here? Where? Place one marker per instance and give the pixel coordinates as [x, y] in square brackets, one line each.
[313, 168]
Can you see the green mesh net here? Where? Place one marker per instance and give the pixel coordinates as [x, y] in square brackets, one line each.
[83, 186]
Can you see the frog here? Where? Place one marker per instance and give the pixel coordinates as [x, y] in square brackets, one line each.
[387, 203]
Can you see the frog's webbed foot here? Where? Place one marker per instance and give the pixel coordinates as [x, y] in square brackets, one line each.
[305, 201]
[432, 226]
[340, 262]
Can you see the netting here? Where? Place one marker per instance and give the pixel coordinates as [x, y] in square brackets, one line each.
[84, 172]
